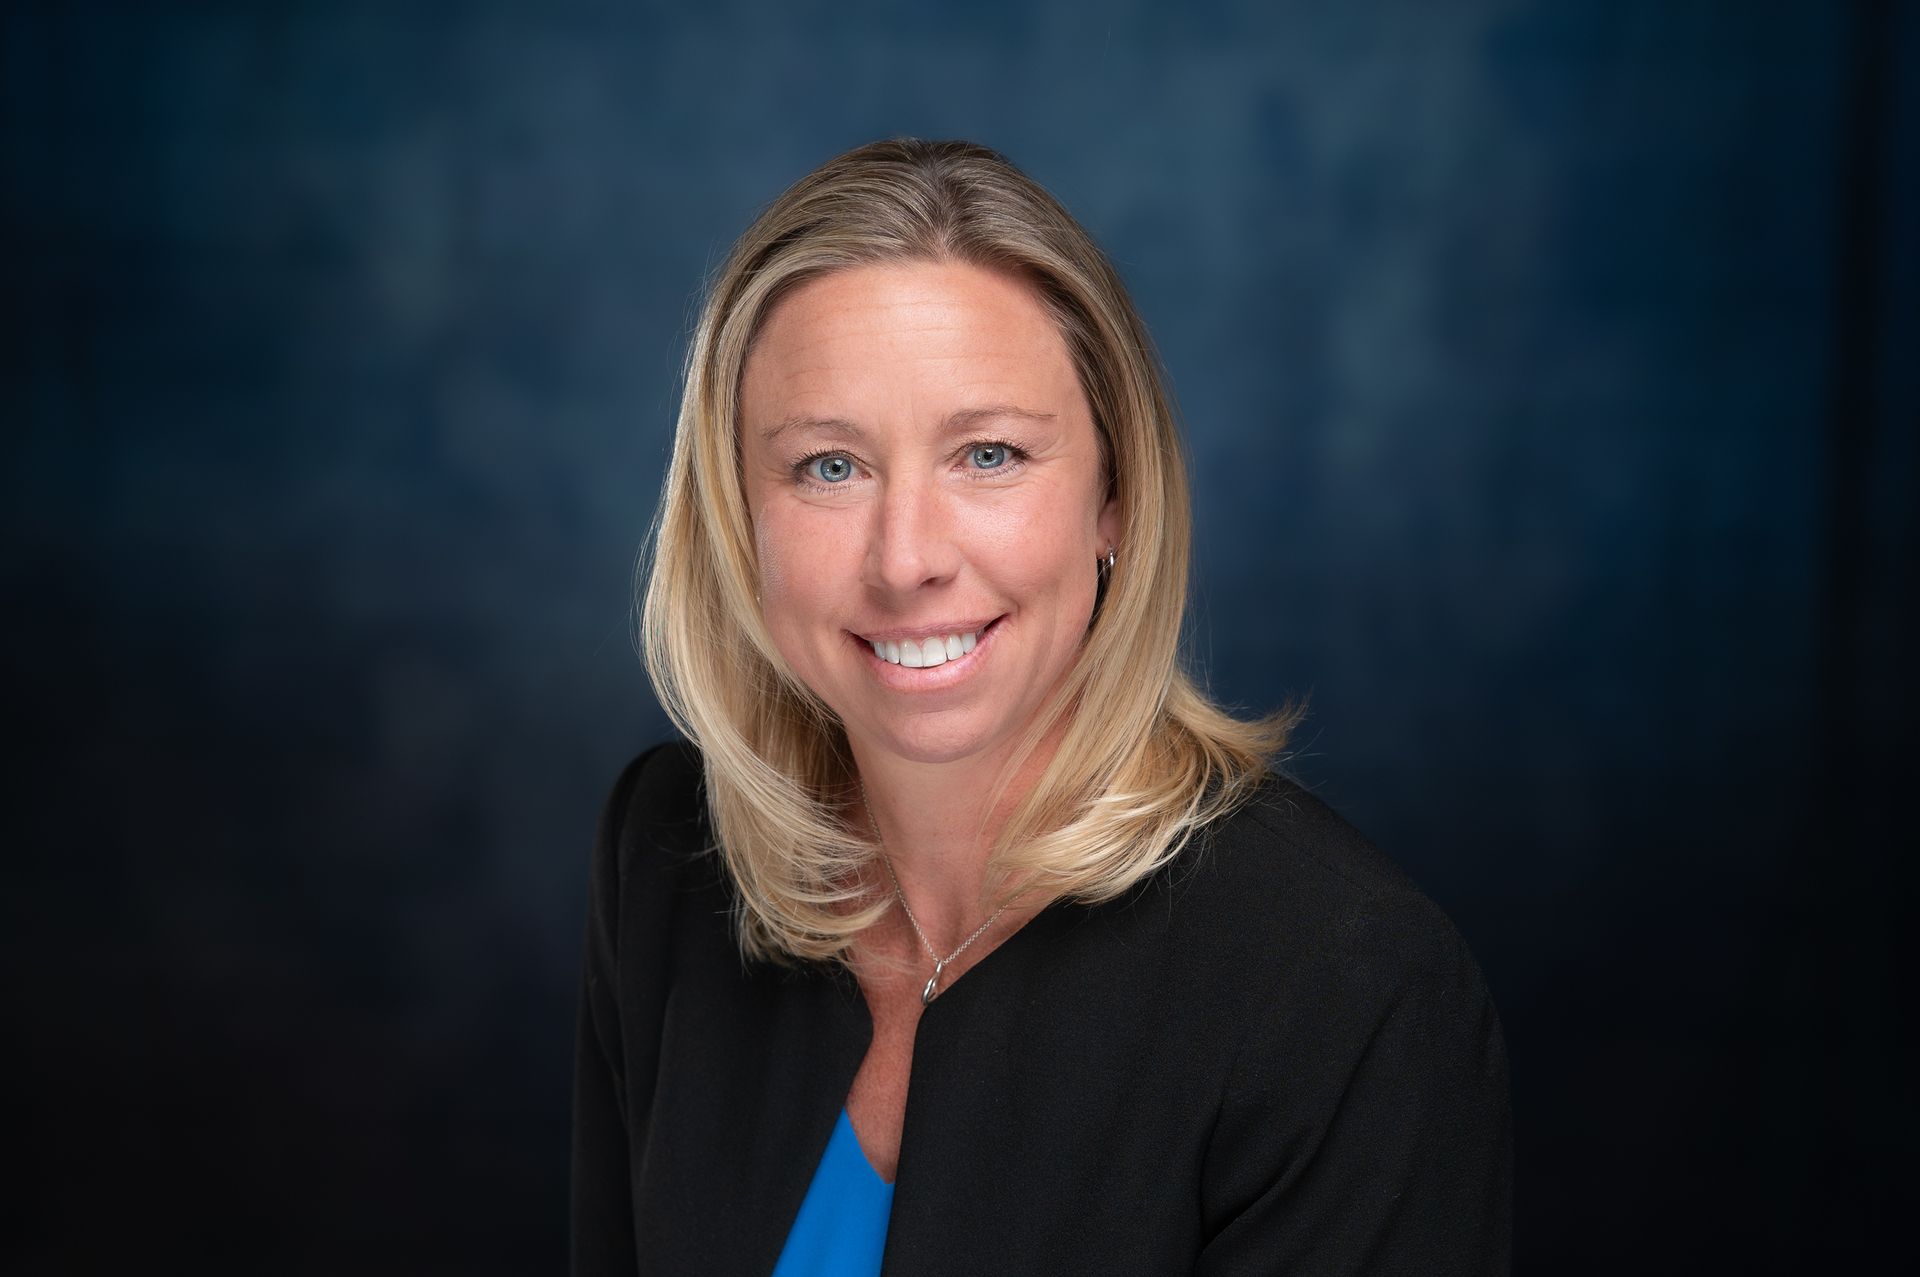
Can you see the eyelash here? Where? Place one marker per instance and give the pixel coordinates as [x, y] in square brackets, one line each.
[1016, 457]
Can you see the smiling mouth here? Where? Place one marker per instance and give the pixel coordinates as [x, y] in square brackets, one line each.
[929, 651]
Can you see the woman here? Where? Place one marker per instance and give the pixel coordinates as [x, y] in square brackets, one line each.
[968, 935]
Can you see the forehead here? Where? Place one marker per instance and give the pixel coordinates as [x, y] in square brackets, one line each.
[907, 338]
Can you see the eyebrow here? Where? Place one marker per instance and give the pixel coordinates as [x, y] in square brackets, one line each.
[957, 422]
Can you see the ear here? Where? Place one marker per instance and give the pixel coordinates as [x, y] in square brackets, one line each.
[1108, 526]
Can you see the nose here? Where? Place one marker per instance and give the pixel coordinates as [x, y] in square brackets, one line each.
[911, 543]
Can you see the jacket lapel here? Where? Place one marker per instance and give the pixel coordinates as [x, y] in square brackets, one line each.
[757, 1074]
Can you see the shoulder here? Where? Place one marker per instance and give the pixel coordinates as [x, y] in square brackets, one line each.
[1286, 891]
[652, 842]
[658, 800]
[1283, 837]
[1365, 1110]
[662, 785]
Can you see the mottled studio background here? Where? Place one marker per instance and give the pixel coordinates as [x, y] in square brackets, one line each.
[1550, 376]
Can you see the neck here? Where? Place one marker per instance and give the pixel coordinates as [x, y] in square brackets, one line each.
[937, 829]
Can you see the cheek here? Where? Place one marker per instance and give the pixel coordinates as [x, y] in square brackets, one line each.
[770, 548]
[1056, 519]
[1038, 518]
[802, 573]
[779, 561]
[1043, 545]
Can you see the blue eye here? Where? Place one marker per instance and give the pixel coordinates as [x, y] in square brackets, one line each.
[986, 456]
[831, 468]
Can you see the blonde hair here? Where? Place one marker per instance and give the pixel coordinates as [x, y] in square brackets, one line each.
[1146, 758]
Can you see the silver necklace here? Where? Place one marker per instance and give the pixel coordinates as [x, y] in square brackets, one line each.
[932, 988]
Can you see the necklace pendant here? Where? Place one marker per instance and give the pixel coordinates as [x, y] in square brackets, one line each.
[933, 984]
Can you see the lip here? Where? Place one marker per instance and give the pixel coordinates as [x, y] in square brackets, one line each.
[923, 632]
[940, 677]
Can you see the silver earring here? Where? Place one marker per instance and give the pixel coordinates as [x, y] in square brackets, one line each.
[1108, 561]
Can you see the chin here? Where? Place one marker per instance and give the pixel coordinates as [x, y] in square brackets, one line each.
[929, 742]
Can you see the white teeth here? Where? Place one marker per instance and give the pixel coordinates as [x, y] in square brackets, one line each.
[927, 652]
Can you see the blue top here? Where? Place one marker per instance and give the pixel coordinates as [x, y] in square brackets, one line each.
[841, 1229]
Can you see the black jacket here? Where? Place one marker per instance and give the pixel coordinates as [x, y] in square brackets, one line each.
[1276, 1055]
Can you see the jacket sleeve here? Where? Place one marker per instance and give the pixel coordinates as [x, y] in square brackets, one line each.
[1366, 1126]
[602, 1196]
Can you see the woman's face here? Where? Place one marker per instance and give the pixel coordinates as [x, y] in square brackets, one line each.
[924, 479]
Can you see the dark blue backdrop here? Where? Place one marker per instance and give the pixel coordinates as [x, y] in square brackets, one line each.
[1549, 373]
